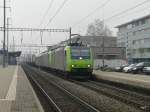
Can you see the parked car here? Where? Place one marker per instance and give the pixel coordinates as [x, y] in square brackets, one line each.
[146, 70]
[128, 68]
[120, 68]
[139, 67]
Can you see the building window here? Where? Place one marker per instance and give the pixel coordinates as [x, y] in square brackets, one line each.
[140, 41]
[141, 50]
[143, 21]
[148, 49]
[147, 30]
[129, 54]
[142, 31]
[147, 40]
[136, 23]
[134, 51]
[134, 42]
[129, 26]
[134, 33]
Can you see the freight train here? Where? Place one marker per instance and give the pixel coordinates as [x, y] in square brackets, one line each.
[71, 60]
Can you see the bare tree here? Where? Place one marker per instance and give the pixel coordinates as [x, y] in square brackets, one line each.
[98, 28]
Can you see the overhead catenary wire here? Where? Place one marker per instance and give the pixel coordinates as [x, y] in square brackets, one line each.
[91, 13]
[45, 14]
[132, 13]
[127, 10]
[58, 10]
[116, 15]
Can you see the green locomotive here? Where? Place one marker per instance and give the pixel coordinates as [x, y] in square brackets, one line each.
[74, 61]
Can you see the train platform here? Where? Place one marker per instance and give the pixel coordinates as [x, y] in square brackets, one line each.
[16, 93]
[138, 80]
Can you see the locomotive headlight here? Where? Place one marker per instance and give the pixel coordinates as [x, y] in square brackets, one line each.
[72, 65]
[80, 58]
[89, 65]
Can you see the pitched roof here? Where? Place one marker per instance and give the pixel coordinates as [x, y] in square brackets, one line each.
[134, 20]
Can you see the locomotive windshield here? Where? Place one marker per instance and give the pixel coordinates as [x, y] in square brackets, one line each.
[78, 53]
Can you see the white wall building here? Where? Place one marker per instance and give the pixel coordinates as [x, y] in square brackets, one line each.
[135, 36]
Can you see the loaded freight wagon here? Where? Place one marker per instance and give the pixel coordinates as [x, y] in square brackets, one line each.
[73, 61]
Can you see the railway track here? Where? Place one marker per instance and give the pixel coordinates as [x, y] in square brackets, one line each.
[139, 101]
[126, 96]
[58, 98]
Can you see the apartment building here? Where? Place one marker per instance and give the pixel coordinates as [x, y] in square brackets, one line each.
[135, 37]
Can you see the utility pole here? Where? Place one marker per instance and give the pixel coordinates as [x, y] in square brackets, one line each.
[4, 35]
[13, 43]
[7, 39]
[103, 51]
[103, 38]
[41, 35]
[70, 35]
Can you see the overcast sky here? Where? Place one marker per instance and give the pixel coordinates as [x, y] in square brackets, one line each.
[29, 13]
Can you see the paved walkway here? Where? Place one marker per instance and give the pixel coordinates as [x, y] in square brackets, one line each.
[6, 75]
[132, 79]
[16, 93]
[26, 101]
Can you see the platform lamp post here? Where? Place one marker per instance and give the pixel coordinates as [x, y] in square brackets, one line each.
[4, 34]
[103, 62]
[7, 40]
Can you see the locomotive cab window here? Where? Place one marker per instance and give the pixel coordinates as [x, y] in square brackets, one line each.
[76, 53]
